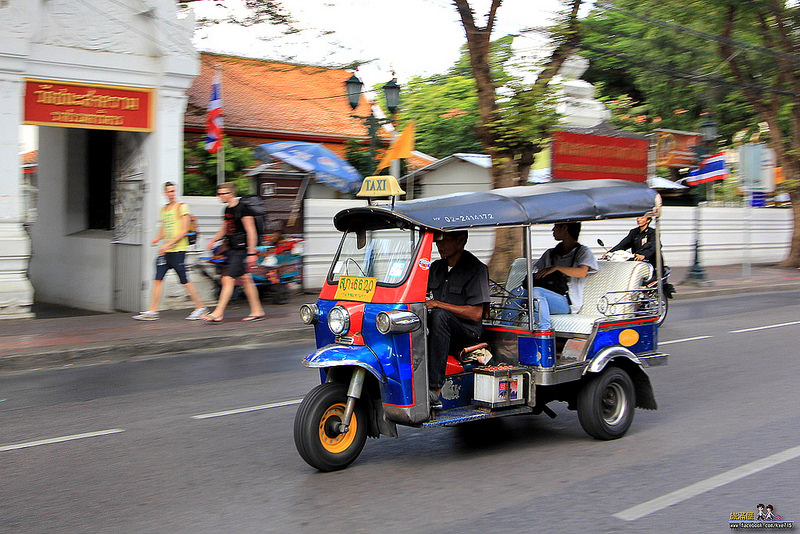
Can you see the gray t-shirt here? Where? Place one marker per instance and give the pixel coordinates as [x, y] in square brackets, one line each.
[580, 255]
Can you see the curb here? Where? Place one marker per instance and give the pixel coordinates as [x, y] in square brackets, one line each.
[114, 352]
[712, 291]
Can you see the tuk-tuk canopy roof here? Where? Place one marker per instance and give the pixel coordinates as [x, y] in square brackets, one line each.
[574, 200]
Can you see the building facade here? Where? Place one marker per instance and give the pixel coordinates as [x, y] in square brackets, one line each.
[105, 83]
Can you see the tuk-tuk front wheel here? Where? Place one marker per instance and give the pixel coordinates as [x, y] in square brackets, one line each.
[606, 404]
[317, 435]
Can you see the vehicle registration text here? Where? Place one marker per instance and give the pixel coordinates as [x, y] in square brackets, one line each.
[358, 288]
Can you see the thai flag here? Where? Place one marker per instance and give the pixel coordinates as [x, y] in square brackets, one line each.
[214, 116]
[712, 168]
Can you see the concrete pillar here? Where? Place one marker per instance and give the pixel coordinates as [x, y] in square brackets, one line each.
[16, 291]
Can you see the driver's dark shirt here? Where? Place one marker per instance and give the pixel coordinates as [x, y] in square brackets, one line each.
[467, 283]
[639, 242]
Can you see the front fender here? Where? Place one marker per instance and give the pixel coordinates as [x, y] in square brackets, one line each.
[342, 355]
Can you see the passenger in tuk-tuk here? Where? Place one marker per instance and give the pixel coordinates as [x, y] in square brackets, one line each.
[458, 288]
[573, 260]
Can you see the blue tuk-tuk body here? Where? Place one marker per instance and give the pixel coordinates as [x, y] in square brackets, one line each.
[371, 324]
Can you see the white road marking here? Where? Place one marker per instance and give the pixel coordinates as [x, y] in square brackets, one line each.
[659, 503]
[684, 339]
[49, 441]
[249, 409]
[763, 327]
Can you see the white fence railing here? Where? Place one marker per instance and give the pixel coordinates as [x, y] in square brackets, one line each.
[727, 235]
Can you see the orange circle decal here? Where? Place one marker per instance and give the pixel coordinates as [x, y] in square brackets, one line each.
[628, 337]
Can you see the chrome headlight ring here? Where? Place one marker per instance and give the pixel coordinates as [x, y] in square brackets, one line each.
[339, 320]
[397, 322]
[309, 313]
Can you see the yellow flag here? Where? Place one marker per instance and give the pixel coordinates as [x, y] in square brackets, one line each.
[400, 147]
[542, 160]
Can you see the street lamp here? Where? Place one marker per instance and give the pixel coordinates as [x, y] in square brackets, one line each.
[708, 135]
[391, 91]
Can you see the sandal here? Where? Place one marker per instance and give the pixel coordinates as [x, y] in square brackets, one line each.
[211, 319]
[253, 318]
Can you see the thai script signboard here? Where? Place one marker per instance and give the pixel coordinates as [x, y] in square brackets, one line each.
[675, 148]
[83, 105]
[580, 156]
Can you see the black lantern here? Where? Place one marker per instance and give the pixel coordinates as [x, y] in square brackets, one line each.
[392, 93]
[708, 130]
[353, 85]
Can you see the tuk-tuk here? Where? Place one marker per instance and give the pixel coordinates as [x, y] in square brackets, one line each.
[371, 323]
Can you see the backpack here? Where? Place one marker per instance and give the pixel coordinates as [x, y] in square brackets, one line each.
[192, 233]
[259, 210]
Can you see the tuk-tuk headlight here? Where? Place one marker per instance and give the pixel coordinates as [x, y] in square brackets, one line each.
[397, 322]
[338, 320]
[309, 313]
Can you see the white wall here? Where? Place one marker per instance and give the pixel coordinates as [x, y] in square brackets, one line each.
[69, 264]
[455, 177]
[723, 236]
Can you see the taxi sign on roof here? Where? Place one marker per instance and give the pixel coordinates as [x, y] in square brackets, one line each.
[380, 186]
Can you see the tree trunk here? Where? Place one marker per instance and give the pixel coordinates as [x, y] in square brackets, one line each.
[507, 241]
[793, 259]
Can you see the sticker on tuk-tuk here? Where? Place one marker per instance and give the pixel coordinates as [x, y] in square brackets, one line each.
[358, 288]
[396, 270]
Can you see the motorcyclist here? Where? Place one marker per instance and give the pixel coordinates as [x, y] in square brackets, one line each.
[641, 241]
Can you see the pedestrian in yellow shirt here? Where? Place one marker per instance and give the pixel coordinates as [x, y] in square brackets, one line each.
[172, 255]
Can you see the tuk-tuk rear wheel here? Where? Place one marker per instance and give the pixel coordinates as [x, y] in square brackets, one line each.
[316, 428]
[606, 404]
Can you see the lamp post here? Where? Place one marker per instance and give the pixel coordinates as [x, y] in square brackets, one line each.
[391, 91]
[708, 134]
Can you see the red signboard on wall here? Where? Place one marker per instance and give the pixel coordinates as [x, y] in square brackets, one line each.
[580, 156]
[83, 105]
[676, 149]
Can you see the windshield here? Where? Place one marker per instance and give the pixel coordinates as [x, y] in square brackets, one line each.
[382, 254]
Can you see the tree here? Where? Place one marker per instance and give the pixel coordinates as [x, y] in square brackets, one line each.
[446, 111]
[776, 25]
[200, 166]
[515, 128]
[739, 60]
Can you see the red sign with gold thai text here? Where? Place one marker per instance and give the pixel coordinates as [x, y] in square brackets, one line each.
[83, 105]
[579, 156]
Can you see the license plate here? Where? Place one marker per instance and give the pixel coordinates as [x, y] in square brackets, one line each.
[358, 288]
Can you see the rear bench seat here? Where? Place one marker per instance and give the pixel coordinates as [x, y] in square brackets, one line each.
[610, 276]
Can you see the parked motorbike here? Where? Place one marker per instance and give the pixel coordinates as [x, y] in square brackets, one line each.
[650, 295]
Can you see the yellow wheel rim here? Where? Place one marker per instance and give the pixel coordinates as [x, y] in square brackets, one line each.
[331, 441]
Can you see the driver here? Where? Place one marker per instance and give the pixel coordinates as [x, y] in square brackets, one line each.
[458, 288]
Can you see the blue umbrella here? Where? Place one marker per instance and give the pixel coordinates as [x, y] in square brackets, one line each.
[328, 168]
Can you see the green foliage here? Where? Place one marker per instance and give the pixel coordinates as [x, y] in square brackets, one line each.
[527, 117]
[651, 75]
[357, 155]
[446, 106]
[200, 178]
[446, 111]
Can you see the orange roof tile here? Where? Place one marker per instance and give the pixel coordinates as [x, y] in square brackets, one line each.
[271, 97]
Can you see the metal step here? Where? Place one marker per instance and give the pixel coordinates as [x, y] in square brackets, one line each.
[467, 414]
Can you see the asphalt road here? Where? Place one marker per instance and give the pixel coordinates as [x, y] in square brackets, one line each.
[202, 442]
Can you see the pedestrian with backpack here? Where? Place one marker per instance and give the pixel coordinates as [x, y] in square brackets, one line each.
[239, 230]
[172, 255]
